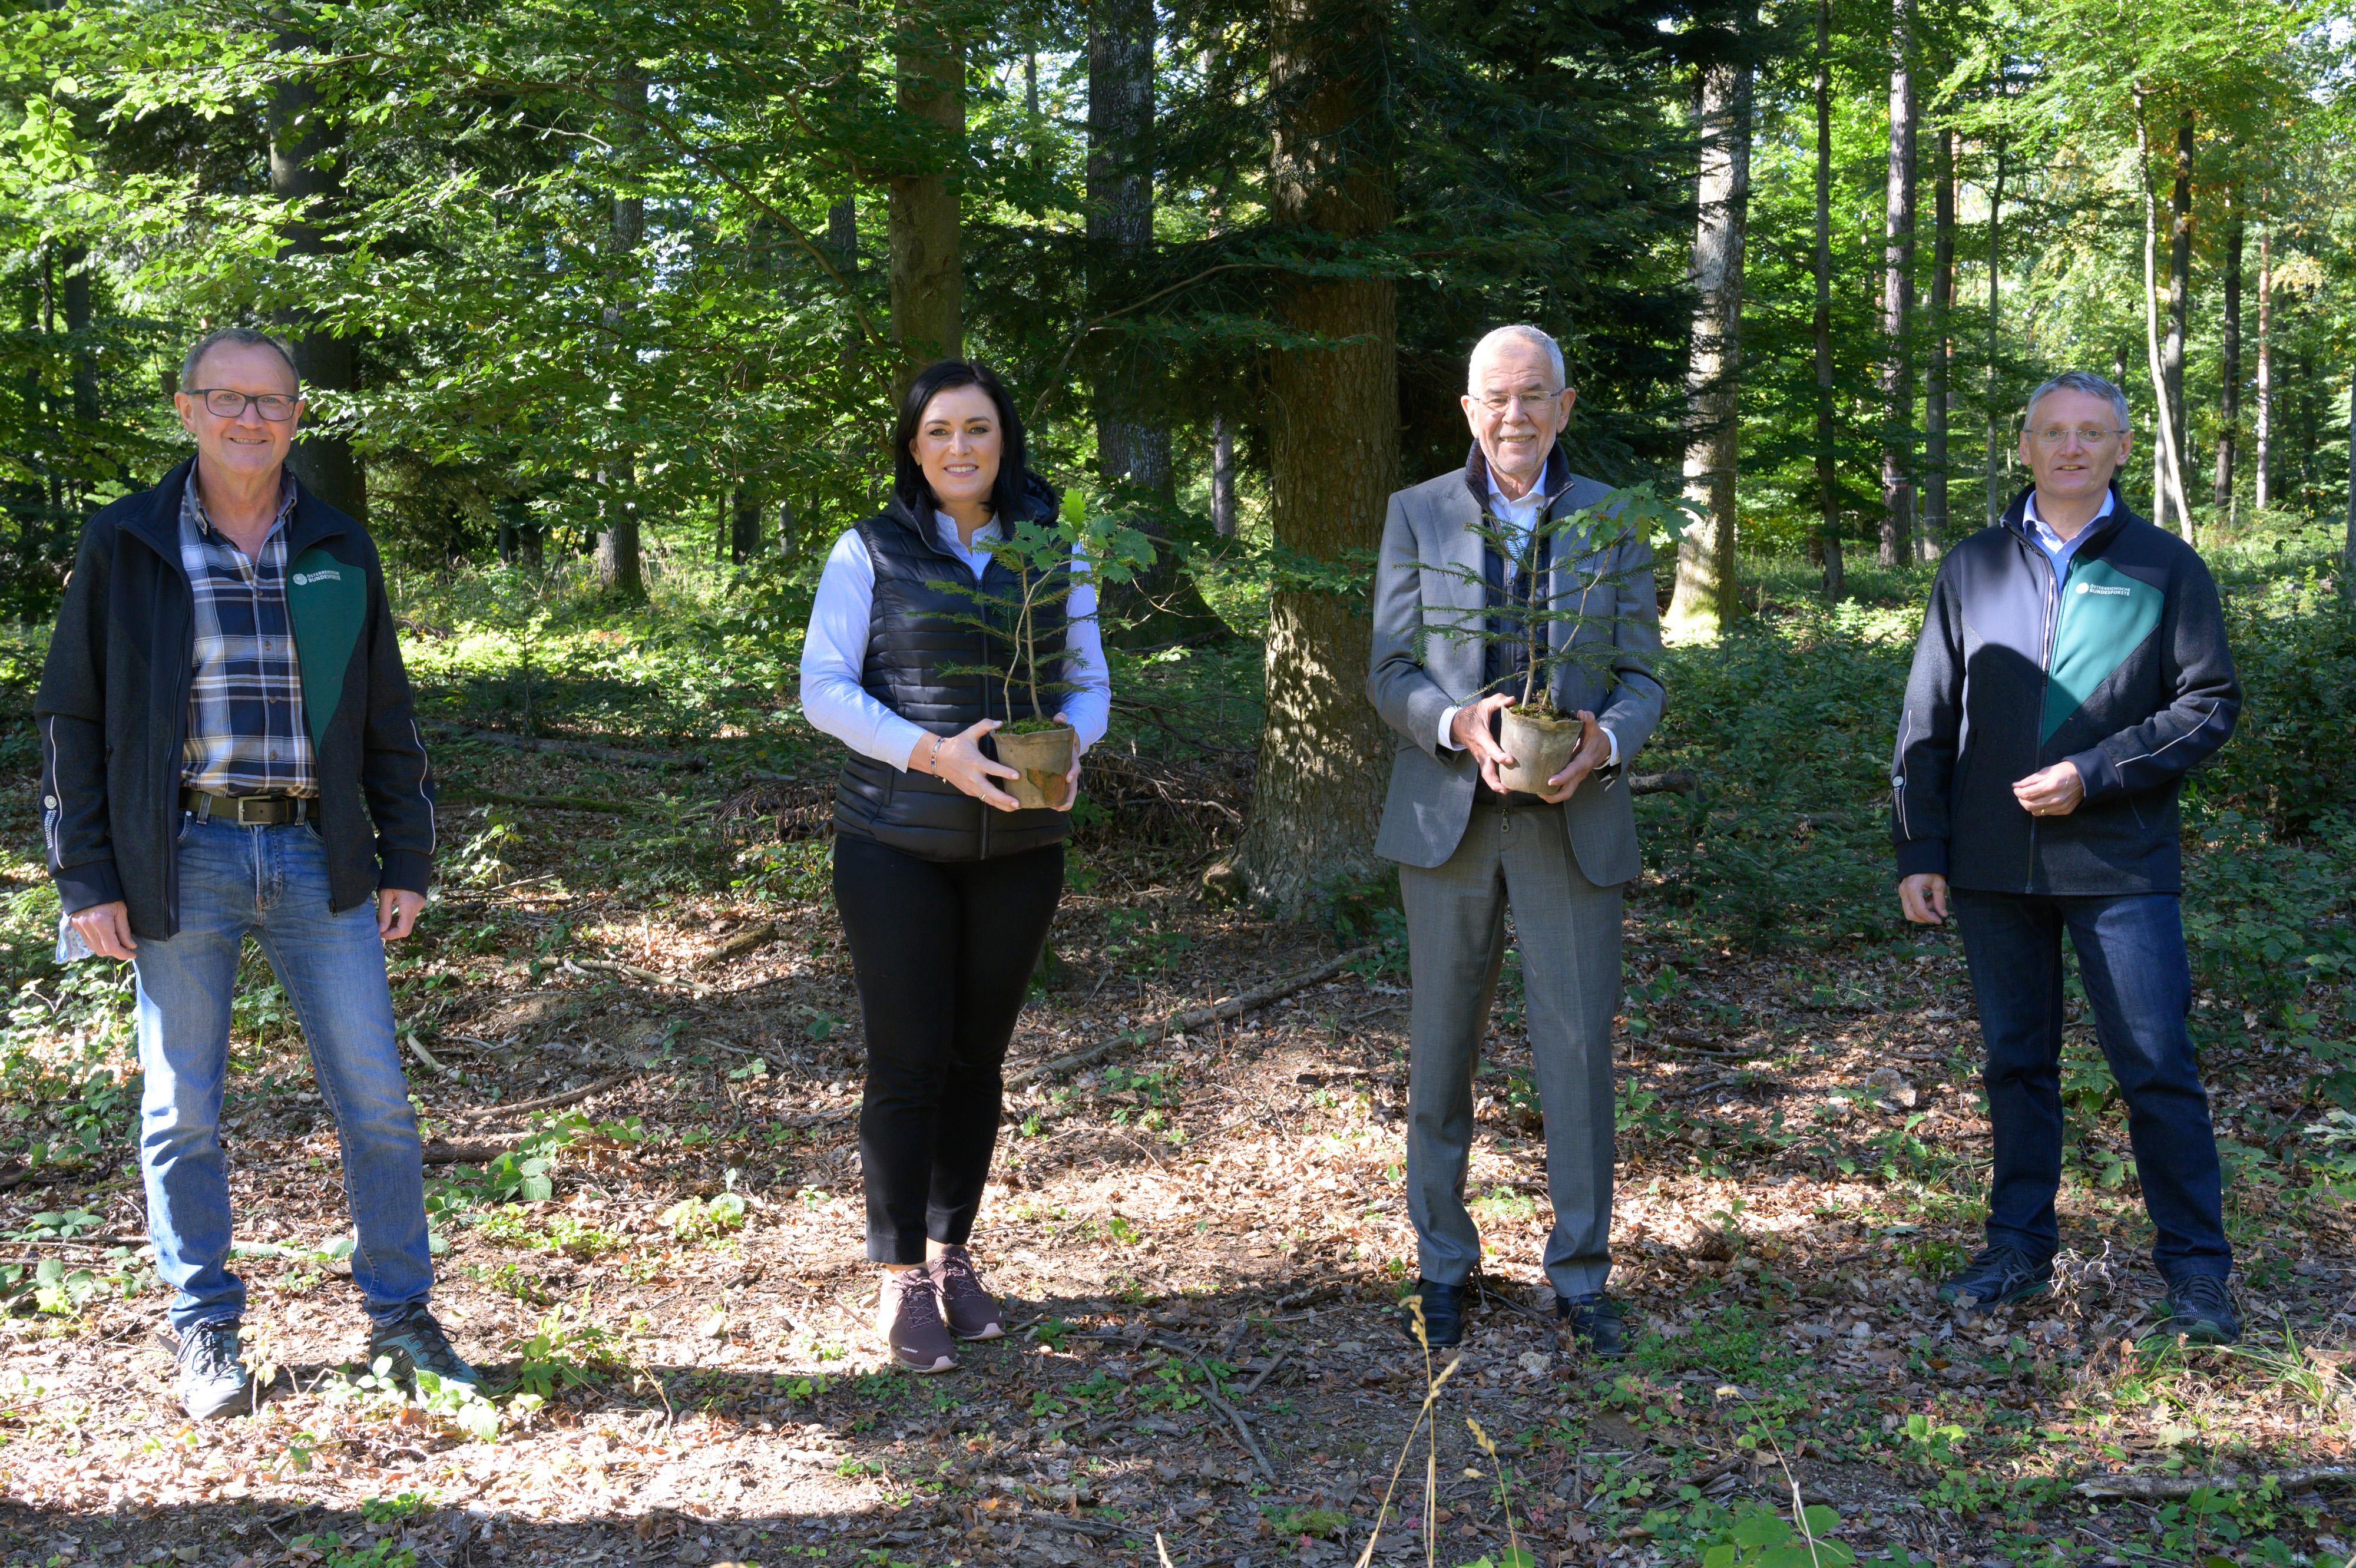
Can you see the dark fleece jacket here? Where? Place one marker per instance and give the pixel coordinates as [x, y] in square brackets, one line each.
[2124, 674]
[113, 711]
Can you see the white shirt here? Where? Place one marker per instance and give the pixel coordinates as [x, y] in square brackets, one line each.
[1518, 517]
[2057, 549]
[835, 653]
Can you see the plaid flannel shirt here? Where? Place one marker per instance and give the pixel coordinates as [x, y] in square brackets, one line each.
[246, 732]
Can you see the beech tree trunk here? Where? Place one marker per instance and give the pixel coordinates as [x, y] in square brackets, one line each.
[2179, 291]
[1898, 297]
[2262, 482]
[620, 563]
[307, 167]
[1827, 491]
[1332, 457]
[1705, 598]
[1942, 303]
[927, 260]
[2167, 461]
[2228, 368]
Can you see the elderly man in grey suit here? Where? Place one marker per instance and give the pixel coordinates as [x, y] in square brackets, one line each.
[1468, 849]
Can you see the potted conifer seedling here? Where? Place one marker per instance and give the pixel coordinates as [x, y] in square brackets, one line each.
[1548, 614]
[1039, 556]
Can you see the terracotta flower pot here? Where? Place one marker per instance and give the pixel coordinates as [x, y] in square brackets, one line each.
[1043, 757]
[1540, 748]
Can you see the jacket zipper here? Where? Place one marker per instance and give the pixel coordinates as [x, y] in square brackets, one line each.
[2055, 585]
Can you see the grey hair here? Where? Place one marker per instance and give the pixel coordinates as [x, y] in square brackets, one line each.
[1522, 332]
[2080, 381]
[236, 336]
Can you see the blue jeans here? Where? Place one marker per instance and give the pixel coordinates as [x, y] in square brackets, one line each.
[273, 882]
[2132, 961]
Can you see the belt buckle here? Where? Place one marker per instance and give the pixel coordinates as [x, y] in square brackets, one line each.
[244, 801]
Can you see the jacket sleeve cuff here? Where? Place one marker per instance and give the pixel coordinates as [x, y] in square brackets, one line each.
[406, 870]
[2095, 771]
[84, 886]
[1918, 857]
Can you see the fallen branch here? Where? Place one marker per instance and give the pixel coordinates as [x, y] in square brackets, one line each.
[468, 794]
[1195, 1018]
[1675, 781]
[740, 944]
[631, 971]
[546, 1101]
[1235, 1419]
[440, 1153]
[417, 1048]
[1265, 1373]
[661, 761]
[2152, 1489]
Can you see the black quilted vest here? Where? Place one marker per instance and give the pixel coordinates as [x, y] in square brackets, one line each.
[913, 634]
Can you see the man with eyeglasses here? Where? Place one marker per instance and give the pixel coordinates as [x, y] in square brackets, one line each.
[228, 747]
[2072, 669]
[1468, 849]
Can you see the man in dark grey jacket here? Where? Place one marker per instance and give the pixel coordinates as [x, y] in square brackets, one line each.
[228, 747]
[1467, 847]
[2072, 667]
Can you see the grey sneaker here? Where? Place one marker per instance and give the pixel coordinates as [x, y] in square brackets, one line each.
[908, 1319]
[416, 1344]
[213, 1382]
[973, 1312]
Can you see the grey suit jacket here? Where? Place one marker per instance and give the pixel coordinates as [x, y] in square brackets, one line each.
[1431, 796]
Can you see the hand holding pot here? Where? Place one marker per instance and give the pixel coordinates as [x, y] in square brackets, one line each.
[1071, 779]
[1594, 747]
[960, 760]
[1470, 732]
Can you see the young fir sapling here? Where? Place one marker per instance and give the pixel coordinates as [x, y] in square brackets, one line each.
[1049, 560]
[1548, 614]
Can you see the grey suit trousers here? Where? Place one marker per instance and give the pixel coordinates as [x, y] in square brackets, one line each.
[1568, 930]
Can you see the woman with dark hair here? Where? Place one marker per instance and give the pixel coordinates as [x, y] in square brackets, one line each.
[946, 885]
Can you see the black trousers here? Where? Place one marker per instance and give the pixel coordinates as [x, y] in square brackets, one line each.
[943, 951]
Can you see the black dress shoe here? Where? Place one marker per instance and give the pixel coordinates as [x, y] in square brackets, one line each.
[1444, 1313]
[1594, 1322]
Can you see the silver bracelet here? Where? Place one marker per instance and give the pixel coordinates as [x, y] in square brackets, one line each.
[933, 763]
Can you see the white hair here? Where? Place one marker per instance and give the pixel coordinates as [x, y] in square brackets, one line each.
[1519, 332]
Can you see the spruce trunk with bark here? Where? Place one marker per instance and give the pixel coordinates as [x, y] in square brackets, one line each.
[927, 254]
[1898, 297]
[1333, 459]
[1827, 488]
[1704, 598]
[2261, 481]
[306, 170]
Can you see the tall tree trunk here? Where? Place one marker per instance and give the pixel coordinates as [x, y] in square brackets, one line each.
[89, 466]
[306, 170]
[2348, 542]
[1223, 475]
[1332, 454]
[927, 235]
[744, 524]
[1898, 296]
[1943, 306]
[1997, 470]
[1704, 598]
[1130, 445]
[2262, 480]
[2179, 290]
[2229, 367]
[2168, 468]
[620, 565]
[1827, 491]
[842, 235]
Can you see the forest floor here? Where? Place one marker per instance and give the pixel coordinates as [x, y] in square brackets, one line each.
[1200, 1238]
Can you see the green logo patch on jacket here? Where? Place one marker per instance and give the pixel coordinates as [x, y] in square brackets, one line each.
[2105, 616]
[327, 605]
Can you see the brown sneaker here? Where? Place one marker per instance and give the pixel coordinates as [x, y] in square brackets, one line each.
[973, 1312]
[908, 1319]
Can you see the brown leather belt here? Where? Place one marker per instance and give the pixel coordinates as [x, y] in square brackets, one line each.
[247, 810]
